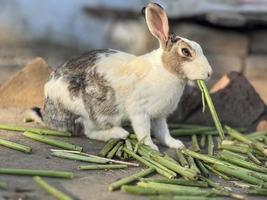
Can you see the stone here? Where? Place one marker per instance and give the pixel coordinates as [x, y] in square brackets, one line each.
[260, 87]
[213, 40]
[223, 64]
[236, 102]
[256, 67]
[26, 88]
[259, 41]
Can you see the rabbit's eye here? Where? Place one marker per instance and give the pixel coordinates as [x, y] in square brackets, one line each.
[186, 52]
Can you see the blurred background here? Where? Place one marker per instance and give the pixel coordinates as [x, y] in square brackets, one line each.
[232, 33]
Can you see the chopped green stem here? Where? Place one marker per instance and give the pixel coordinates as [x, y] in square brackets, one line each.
[116, 185]
[212, 183]
[50, 189]
[113, 151]
[16, 146]
[97, 157]
[195, 146]
[254, 159]
[258, 192]
[232, 154]
[149, 164]
[214, 115]
[219, 142]
[192, 164]
[204, 171]
[174, 167]
[236, 149]
[109, 145]
[178, 182]
[210, 145]
[203, 141]
[180, 190]
[160, 166]
[128, 144]
[181, 159]
[257, 134]
[239, 174]
[52, 142]
[120, 152]
[73, 156]
[216, 172]
[102, 167]
[39, 131]
[186, 126]
[238, 136]
[184, 198]
[33, 172]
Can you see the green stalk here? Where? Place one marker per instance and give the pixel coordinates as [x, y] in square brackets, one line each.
[190, 132]
[166, 156]
[219, 142]
[258, 192]
[181, 159]
[109, 145]
[192, 164]
[183, 198]
[214, 115]
[239, 174]
[33, 172]
[195, 146]
[102, 167]
[257, 134]
[52, 142]
[227, 156]
[236, 149]
[16, 146]
[212, 183]
[219, 174]
[145, 162]
[72, 156]
[128, 144]
[232, 154]
[39, 131]
[97, 157]
[116, 185]
[160, 166]
[238, 136]
[204, 171]
[179, 181]
[210, 145]
[138, 190]
[119, 152]
[50, 189]
[113, 151]
[179, 190]
[202, 141]
[254, 159]
[174, 167]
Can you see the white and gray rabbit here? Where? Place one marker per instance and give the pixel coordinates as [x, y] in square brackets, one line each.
[97, 91]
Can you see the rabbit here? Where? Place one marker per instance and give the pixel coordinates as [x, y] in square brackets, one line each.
[97, 91]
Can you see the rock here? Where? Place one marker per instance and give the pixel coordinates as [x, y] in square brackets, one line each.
[213, 40]
[256, 67]
[26, 88]
[258, 84]
[236, 102]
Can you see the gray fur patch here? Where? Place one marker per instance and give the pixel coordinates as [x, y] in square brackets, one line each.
[74, 71]
[57, 117]
[99, 98]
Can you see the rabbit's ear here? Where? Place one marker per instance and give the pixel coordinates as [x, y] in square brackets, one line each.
[157, 22]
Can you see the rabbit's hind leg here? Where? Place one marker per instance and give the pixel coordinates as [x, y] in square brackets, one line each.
[57, 117]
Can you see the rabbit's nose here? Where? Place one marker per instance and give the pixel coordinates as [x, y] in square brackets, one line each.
[209, 74]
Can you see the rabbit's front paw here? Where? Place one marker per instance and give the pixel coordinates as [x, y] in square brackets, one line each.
[175, 144]
[152, 145]
[119, 133]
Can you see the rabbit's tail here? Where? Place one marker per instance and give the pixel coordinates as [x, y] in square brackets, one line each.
[34, 115]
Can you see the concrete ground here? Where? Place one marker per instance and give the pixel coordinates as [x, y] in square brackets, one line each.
[84, 186]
